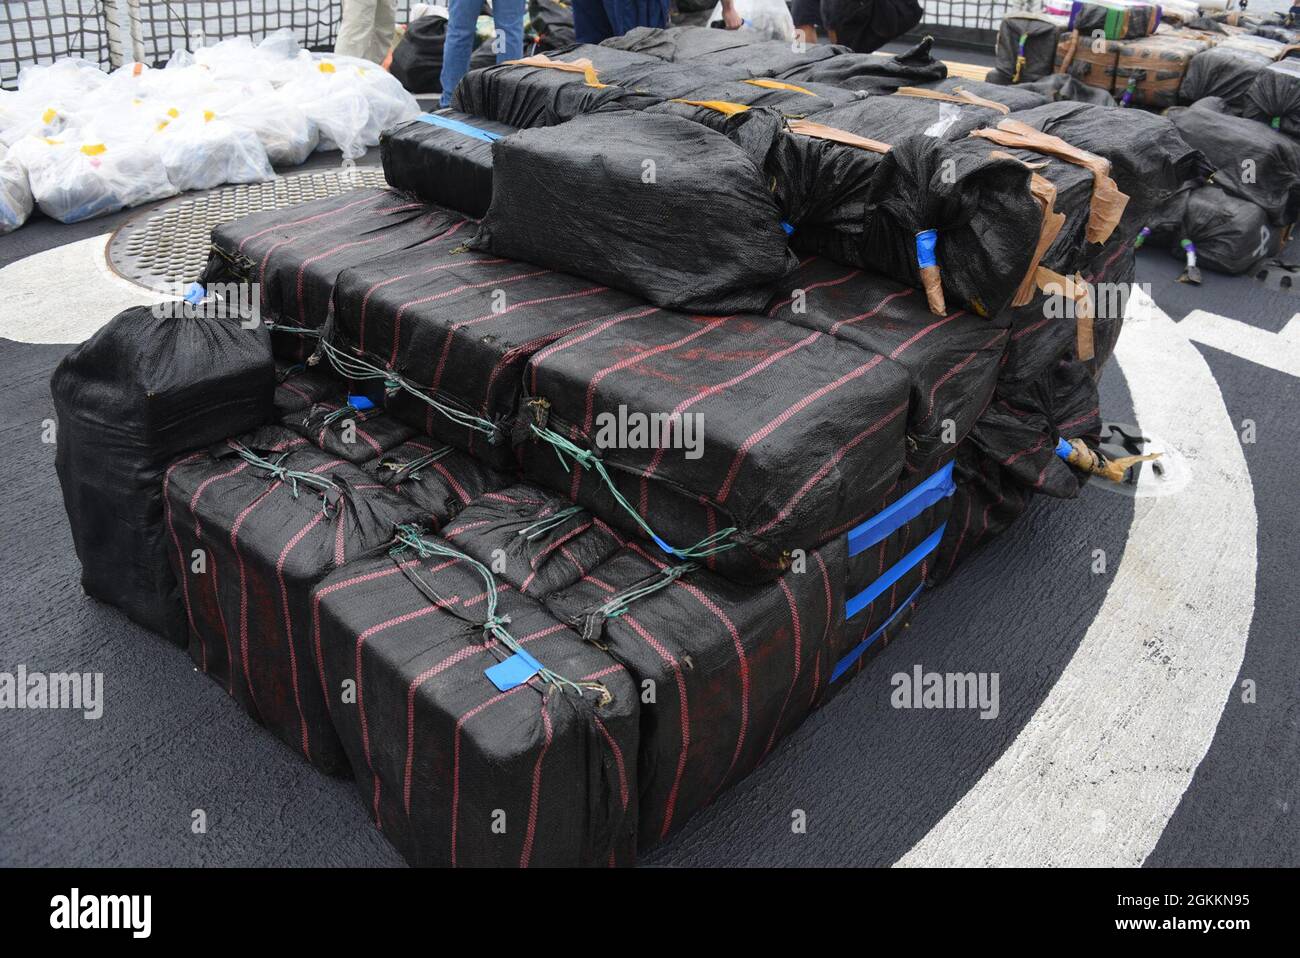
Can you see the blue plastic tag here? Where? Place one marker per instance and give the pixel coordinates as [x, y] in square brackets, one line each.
[465, 129]
[360, 403]
[514, 671]
[1063, 448]
[194, 294]
[926, 240]
[789, 230]
[663, 545]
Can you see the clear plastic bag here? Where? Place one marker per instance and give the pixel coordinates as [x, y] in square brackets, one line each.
[286, 132]
[74, 178]
[15, 194]
[351, 100]
[200, 151]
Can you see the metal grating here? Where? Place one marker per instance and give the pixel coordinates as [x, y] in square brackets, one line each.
[169, 245]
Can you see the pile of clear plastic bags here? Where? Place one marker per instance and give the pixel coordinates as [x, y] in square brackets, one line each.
[79, 142]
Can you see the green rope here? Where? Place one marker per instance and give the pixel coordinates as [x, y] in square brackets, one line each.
[299, 330]
[290, 477]
[709, 545]
[618, 605]
[413, 467]
[542, 526]
[411, 538]
[353, 367]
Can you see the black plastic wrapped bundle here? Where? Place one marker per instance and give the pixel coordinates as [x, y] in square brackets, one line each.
[459, 767]
[1149, 159]
[871, 72]
[1013, 97]
[721, 48]
[458, 327]
[780, 435]
[1274, 97]
[1261, 166]
[298, 386]
[1225, 72]
[551, 21]
[791, 100]
[537, 542]
[652, 204]
[547, 89]
[1026, 46]
[148, 386]
[270, 516]
[440, 479]
[953, 362]
[417, 57]
[443, 158]
[294, 255]
[1065, 86]
[898, 116]
[1231, 235]
[948, 218]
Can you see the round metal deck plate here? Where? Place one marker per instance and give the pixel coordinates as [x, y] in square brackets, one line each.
[168, 245]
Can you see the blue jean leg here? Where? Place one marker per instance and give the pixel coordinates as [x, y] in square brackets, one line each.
[459, 45]
[509, 17]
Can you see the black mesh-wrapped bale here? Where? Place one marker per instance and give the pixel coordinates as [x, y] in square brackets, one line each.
[764, 436]
[1251, 162]
[895, 117]
[1061, 86]
[455, 769]
[417, 57]
[1224, 72]
[537, 542]
[1116, 269]
[460, 325]
[653, 204]
[1149, 159]
[294, 255]
[1026, 46]
[952, 362]
[870, 72]
[724, 669]
[443, 158]
[350, 428]
[1274, 97]
[547, 89]
[1230, 235]
[701, 103]
[298, 386]
[439, 479]
[145, 388]
[551, 21]
[254, 523]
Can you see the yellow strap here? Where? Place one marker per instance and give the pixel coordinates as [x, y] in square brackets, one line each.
[778, 85]
[49, 115]
[583, 66]
[959, 95]
[94, 149]
[820, 131]
[721, 106]
[325, 67]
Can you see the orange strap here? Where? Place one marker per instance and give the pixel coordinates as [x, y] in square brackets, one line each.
[959, 95]
[1044, 193]
[820, 131]
[583, 66]
[725, 107]
[767, 84]
[1074, 288]
[1108, 203]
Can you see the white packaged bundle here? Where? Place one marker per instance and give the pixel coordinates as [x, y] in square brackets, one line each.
[74, 178]
[286, 132]
[351, 100]
[15, 193]
[200, 151]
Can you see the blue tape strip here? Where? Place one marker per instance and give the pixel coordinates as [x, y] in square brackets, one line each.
[789, 230]
[514, 671]
[845, 663]
[361, 403]
[447, 123]
[893, 574]
[1063, 448]
[904, 510]
[926, 240]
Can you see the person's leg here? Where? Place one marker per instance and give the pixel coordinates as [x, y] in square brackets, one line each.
[459, 45]
[590, 21]
[385, 30]
[509, 18]
[807, 16]
[356, 28]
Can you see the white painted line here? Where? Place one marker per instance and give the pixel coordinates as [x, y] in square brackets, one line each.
[1280, 351]
[65, 294]
[1094, 776]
